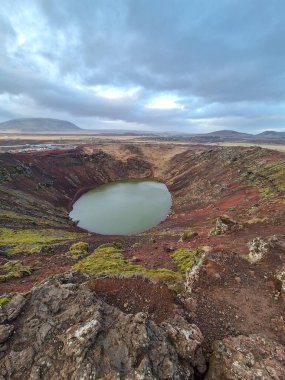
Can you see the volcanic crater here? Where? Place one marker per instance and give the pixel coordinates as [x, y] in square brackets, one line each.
[226, 200]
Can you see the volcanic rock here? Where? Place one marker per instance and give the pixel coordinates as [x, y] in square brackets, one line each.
[224, 224]
[12, 309]
[5, 332]
[67, 332]
[257, 248]
[247, 357]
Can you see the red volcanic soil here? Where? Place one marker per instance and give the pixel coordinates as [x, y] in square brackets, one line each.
[234, 297]
[136, 295]
[249, 195]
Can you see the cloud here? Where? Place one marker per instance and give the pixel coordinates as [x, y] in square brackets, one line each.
[185, 65]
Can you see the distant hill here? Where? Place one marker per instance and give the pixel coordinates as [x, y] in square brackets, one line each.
[228, 134]
[271, 135]
[55, 126]
[38, 125]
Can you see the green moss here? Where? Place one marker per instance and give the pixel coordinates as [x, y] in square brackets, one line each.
[276, 172]
[267, 192]
[188, 234]
[32, 241]
[5, 299]
[163, 274]
[80, 246]
[268, 177]
[108, 259]
[14, 269]
[6, 215]
[77, 250]
[18, 217]
[186, 259]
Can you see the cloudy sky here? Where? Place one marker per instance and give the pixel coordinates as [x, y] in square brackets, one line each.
[162, 65]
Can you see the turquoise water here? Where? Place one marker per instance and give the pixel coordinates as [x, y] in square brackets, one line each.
[122, 208]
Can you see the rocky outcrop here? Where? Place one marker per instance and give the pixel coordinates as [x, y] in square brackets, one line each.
[66, 332]
[224, 225]
[247, 358]
[257, 248]
[12, 309]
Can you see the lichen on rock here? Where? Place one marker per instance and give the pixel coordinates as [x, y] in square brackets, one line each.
[280, 277]
[248, 358]
[224, 224]
[257, 248]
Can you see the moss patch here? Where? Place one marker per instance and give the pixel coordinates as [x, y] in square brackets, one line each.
[5, 299]
[276, 172]
[77, 250]
[268, 177]
[11, 216]
[108, 259]
[186, 259]
[32, 241]
[188, 234]
[14, 269]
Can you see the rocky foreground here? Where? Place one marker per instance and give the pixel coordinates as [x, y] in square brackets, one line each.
[62, 329]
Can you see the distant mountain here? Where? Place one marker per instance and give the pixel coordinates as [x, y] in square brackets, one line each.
[228, 134]
[271, 135]
[55, 126]
[38, 125]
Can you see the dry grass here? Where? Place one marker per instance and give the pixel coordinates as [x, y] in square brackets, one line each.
[278, 147]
